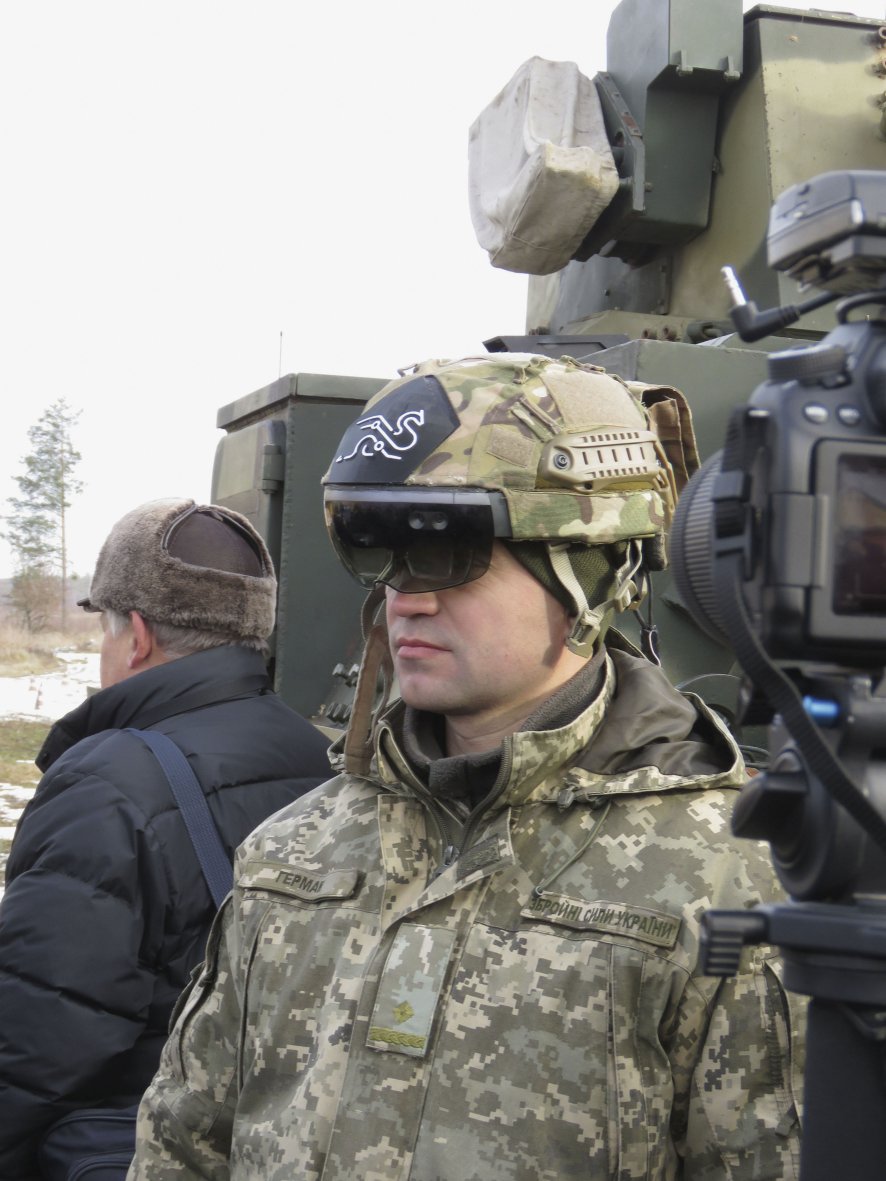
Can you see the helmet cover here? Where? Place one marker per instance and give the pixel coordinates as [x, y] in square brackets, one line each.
[570, 447]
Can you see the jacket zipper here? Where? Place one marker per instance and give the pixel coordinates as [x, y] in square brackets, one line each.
[452, 851]
[504, 777]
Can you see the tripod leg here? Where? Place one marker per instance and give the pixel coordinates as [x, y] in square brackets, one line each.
[844, 1131]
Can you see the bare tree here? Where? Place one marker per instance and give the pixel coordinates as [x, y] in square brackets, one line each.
[34, 597]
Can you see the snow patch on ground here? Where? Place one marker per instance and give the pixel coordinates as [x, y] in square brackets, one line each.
[46, 697]
[50, 695]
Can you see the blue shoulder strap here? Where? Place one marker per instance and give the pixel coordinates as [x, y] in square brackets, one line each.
[195, 812]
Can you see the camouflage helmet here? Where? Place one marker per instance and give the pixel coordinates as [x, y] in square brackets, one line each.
[549, 450]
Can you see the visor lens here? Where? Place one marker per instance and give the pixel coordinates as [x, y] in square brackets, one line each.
[412, 547]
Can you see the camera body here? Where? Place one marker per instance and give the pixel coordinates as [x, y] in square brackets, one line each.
[800, 486]
[816, 526]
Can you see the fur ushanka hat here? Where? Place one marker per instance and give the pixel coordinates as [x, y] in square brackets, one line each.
[190, 565]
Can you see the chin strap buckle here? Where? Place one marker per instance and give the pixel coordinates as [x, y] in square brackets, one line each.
[629, 582]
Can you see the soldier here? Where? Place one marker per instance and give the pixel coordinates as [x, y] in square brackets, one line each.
[473, 954]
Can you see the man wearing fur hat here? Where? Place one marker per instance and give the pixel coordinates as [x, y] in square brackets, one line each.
[106, 911]
[474, 954]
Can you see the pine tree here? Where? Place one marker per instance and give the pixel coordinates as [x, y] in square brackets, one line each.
[37, 525]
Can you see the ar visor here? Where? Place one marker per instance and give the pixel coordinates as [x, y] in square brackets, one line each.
[412, 539]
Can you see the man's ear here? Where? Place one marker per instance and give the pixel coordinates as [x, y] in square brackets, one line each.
[142, 645]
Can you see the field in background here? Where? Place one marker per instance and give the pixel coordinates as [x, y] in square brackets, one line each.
[20, 740]
[31, 667]
[24, 653]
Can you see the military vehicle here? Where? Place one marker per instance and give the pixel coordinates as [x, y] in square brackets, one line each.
[635, 188]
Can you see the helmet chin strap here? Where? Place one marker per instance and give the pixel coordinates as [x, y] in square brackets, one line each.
[629, 589]
[376, 662]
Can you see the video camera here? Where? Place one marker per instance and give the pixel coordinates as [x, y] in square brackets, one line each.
[779, 550]
[802, 485]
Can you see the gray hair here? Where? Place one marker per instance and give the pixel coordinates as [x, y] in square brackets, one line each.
[184, 641]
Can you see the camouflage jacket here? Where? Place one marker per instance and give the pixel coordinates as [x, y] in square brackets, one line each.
[531, 1011]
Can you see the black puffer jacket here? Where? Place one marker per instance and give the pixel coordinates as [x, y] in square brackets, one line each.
[106, 911]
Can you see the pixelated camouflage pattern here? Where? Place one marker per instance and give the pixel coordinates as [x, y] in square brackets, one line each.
[532, 1011]
[509, 408]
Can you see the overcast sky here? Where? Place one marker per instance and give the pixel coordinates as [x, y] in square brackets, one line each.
[183, 181]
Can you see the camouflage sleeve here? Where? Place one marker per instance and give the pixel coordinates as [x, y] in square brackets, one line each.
[737, 1062]
[185, 1118]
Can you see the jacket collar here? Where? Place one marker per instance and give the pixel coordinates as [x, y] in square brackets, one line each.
[526, 757]
[190, 682]
[637, 734]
